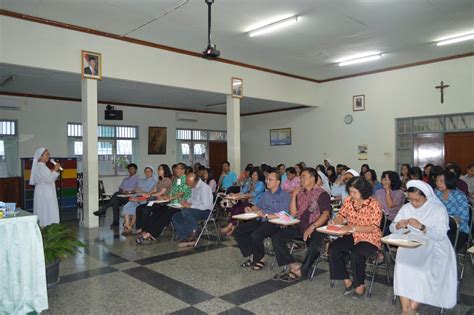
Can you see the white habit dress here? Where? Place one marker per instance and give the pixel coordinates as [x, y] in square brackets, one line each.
[427, 274]
[45, 202]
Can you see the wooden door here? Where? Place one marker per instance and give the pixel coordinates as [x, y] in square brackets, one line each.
[217, 155]
[459, 148]
[429, 148]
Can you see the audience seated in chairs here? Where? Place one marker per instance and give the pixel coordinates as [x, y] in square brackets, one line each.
[460, 184]
[228, 178]
[405, 175]
[339, 190]
[456, 203]
[207, 176]
[361, 216]
[292, 180]
[245, 175]
[162, 188]
[145, 186]
[426, 274]
[251, 234]
[161, 214]
[195, 209]
[249, 196]
[312, 206]
[128, 186]
[391, 197]
[371, 176]
[468, 178]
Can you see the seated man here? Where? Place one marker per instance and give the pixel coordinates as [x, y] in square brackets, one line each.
[338, 189]
[195, 208]
[250, 234]
[228, 178]
[161, 214]
[312, 205]
[128, 186]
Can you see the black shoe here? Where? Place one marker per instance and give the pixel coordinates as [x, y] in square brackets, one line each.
[114, 224]
[348, 291]
[99, 213]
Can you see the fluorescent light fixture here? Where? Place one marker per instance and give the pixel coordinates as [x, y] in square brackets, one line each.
[455, 39]
[274, 26]
[210, 106]
[360, 59]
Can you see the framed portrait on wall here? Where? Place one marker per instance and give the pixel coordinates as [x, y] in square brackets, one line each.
[91, 65]
[237, 87]
[156, 140]
[280, 136]
[358, 103]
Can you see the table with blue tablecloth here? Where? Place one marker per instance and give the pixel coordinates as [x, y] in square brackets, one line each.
[22, 268]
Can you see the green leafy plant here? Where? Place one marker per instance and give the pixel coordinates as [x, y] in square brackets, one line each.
[58, 242]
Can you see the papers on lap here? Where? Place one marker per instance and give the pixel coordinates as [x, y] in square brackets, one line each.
[331, 230]
[281, 221]
[408, 240]
[245, 216]
[125, 195]
[175, 205]
[151, 203]
[471, 250]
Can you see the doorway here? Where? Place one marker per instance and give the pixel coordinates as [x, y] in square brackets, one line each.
[217, 155]
[459, 148]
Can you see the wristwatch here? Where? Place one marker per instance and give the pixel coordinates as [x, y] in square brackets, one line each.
[266, 216]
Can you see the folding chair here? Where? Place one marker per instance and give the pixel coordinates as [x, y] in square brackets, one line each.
[463, 255]
[373, 260]
[210, 218]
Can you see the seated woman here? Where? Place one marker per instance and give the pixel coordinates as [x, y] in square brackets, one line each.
[457, 205]
[391, 197]
[162, 188]
[416, 173]
[332, 176]
[299, 167]
[371, 176]
[364, 168]
[248, 197]
[405, 175]
[144, 186]
[426, 172]
[292, 180]
[208, 178]
[245, 175]
[361, 216]
[312, 205]
[426, 274]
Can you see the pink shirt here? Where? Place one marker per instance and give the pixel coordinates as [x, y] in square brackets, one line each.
[290, 185]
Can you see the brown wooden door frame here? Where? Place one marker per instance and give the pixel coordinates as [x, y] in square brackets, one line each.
[459, 148]
[217, 154]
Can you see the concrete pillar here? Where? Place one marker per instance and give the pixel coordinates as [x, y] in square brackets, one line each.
[233, 132]
[89, 157]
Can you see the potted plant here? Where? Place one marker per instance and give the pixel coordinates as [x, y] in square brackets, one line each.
[58, 242]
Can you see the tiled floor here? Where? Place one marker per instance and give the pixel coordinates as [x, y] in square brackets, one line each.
[115, 276]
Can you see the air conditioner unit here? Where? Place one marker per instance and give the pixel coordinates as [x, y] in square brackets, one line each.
[186, 117]
[12, 104]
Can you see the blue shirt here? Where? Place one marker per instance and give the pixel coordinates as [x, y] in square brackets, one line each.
[129, 183]
[257, 192]
[457, 206]
[339, 190]
[228, 180]
[272, 203]
[377, 187]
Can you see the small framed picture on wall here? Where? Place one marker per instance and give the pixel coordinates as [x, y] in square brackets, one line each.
[358, 103]
[237, 87]
[280, 136]
[91, 65]
[156, 140]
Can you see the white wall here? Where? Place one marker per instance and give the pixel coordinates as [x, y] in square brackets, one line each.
[43, 122]
[321, 132]
[42, 46]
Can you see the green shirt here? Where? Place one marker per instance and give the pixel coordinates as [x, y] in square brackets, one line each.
[175, 188]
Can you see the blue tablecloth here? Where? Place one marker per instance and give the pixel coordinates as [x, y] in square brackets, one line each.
[22, 268]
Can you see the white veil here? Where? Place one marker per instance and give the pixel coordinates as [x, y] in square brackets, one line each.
[36, 158]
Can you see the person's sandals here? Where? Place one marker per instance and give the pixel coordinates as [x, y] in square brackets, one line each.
[247, 263]
[348, 291]
[357, 296]
[258, 265]
[231, 230]
[145, 241]
[290, 277]
[277, 276]
[136, 232]
[127, 231]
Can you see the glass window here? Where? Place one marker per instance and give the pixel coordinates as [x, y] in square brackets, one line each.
[7, 128]
[78, 148]
[9, 156]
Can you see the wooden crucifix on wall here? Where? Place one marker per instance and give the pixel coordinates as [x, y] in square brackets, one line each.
[441, 87]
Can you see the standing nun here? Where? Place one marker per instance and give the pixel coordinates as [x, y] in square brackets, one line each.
[45, 202]
[426, 274]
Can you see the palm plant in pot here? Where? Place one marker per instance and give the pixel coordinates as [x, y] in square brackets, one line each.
[58, 242]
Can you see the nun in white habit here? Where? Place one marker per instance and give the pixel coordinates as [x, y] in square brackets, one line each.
[426, 274]
[45, 202]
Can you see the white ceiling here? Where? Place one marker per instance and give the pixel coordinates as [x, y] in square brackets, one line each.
[62, 84]
[329, 29]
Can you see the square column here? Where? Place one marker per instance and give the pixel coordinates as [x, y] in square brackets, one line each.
[90, 157]
[233, 132]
